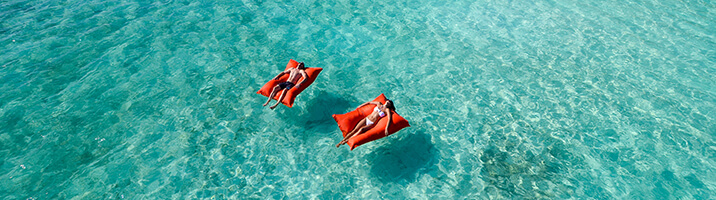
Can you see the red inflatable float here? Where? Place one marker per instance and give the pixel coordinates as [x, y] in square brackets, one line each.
[346, 122]
[293, 92]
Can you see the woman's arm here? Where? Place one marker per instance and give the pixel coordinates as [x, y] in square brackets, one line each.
[372, 102]
[390, 120]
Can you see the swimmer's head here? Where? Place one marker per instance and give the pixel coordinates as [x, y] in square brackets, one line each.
[389, 104]
[301, 66]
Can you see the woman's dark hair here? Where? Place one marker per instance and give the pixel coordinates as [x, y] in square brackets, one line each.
[389, 104]
[301, 66]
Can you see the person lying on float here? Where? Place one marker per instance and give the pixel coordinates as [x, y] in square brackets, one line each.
[380, 111]
[295, 74]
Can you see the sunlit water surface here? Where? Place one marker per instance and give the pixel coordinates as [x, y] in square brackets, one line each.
[507, 99]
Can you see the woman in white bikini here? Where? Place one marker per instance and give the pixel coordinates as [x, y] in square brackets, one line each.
[380, 111]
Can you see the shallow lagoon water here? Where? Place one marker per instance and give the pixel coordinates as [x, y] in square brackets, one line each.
[542, 99]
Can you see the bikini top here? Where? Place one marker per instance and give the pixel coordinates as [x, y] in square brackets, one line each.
[380, 112]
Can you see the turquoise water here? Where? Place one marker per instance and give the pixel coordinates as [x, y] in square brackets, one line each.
[532, 99]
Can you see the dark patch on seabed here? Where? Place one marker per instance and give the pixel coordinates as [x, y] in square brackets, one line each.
[318, 110]
[403, 158]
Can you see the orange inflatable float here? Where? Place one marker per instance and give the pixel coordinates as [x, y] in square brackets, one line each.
[293, 92]
[346, 122]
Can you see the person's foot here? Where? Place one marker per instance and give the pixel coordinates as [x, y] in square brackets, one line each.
[274, 106]
[266, 103]
[338, 145]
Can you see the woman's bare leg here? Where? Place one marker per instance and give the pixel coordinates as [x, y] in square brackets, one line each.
[273, 93]
[357, 129]
[360, 128]
[280, 98]
[359, 125]
[348, 137]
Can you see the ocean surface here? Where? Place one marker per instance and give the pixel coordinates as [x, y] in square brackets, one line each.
[545, 99]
